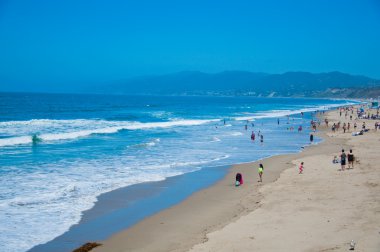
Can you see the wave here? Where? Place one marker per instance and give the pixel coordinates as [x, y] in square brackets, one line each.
[288, 112]
[236, 134]
[148, 144]
[73, 129]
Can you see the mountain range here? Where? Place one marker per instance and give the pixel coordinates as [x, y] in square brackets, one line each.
[289, 84]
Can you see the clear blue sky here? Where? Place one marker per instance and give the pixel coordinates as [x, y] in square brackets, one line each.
[66, 42]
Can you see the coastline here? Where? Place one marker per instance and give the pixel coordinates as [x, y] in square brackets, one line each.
[209, 209]
[203, 222]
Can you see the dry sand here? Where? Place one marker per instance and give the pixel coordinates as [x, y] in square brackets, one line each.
[320, 210]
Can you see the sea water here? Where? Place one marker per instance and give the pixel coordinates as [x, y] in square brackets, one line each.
[85, 145]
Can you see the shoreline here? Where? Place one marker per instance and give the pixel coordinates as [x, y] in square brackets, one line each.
[77, 232]
[225, 218]
[119, 209]
[210, 209]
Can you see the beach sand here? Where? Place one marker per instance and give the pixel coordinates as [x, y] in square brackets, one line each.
[322, 209]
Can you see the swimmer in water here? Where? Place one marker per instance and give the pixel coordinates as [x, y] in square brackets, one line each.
[35, 139]
[253, 136]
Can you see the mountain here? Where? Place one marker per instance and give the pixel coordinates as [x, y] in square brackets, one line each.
[245, 83]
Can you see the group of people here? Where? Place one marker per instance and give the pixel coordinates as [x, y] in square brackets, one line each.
[239, 177]
[343, 157]
[253, 136]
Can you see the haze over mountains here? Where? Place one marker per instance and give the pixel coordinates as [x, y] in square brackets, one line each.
[332, 84]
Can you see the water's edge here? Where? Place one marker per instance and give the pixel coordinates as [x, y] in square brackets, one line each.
[120, 209]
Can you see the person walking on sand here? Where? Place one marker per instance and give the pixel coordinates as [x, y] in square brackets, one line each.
[350, 157]
[261, 170]
[300, 168]
[343, 160]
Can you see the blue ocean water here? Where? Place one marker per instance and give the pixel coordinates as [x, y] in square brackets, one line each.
[90, 144]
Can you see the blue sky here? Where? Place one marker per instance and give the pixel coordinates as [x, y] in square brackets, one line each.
[72, 42]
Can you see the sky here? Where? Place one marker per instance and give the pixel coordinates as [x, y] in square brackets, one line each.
[48, 44]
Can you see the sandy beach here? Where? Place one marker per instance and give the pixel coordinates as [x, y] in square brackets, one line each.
[322, 209]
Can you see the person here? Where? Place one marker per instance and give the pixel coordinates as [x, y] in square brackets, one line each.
[311, 138]
[355, 126]
[261, 138]
[278, 121]
[335, 160]
[300, 128]
[261, 170]
[350, 158]
[343, 160]
[246, 127]
[253, 136]
[239, 179]
[300, 168]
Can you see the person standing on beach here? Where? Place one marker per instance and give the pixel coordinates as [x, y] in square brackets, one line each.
[300, 168]
[343, 160]
[311, 138]
[350, 157]
[261, 170]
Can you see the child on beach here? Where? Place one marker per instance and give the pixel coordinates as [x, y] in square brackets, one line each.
[261, 170]
[300, 168]
[239, 179]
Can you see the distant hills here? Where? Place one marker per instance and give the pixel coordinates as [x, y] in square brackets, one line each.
[289, 84]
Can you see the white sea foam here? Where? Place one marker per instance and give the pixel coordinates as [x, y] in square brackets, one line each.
[72, 189]
[236, 134]
[55, 130]
[287, 112]
[216, 139]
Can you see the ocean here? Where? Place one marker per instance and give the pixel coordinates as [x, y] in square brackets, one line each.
[58, 152]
